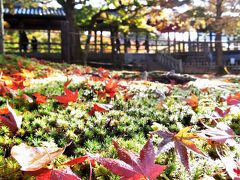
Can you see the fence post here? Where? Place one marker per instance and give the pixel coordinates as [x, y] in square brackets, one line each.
[49, 40]
[101, 41]
[180, 66]
[95, 40]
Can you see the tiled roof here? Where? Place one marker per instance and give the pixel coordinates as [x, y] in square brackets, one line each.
[36, 11]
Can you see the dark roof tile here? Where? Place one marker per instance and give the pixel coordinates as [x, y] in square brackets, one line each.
[36, 11]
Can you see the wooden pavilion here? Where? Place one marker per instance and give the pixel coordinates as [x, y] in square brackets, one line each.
[28, 19]
[191, 52]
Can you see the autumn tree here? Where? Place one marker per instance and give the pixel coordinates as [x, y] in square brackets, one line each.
[219, 16]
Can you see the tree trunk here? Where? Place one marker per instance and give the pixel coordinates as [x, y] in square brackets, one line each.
[1, 28]
[219, 53]
[218, 39]
[73, 33]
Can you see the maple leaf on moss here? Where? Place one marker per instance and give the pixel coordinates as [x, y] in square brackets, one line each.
[222, 113]
[24, 74]
[12, 120]
[131, 165]
[40, 99]
[192, 101]
[103, 72]
[4, 111]
[3, 90]
[232, 167]
[25, 97]
[69, 96]
[99, 108]
[232, 100]
[35, 160]
[221, 133]
[110, 89]
[181, 141]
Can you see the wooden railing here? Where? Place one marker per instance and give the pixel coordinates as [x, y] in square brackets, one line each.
[42, 47]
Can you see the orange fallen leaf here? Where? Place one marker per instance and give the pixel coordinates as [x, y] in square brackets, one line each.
[192, 101]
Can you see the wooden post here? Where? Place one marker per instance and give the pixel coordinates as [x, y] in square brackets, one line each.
[125, 43]
[211, 43]
[137, 43]
[49, 40]
[156, 43]
[228, 48]
[198, 42]
[189, 42]
[179, 45]
[235, 43]
[174, 42]
[95, 41]
[101, 41]
[168, 42]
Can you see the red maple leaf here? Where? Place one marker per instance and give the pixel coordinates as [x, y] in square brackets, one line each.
[33, 161]
[4, 111]
[204, 89]
[69, 96]
[54, 174]
[103, 72]
[26, 98]
[99, 108]
[237, 171]
[232, 167]
[222, 133]
[222, 113]
[11, 120]
[132, 166]
[110, 89]
[192, 101]
[182, 141]
[40, 99]
[17, 85]
[232, 100]
[3, 90]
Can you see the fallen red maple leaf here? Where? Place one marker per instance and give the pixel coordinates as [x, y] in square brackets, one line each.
[231, 100]
[132, 166]
[12, 121]
[3, 89]
[222, 113]
[69, 96]
[99, 108]
[103, 72]
[33, 161]
[40, 99]
[182, 141]
[110, 89]
[17, 85]
[57, 174]
[204, 89]
[26, 98]
[24, 74]
[237, 171]
[222, 133]
[232, 167]
[192, 101]
[4, 111]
